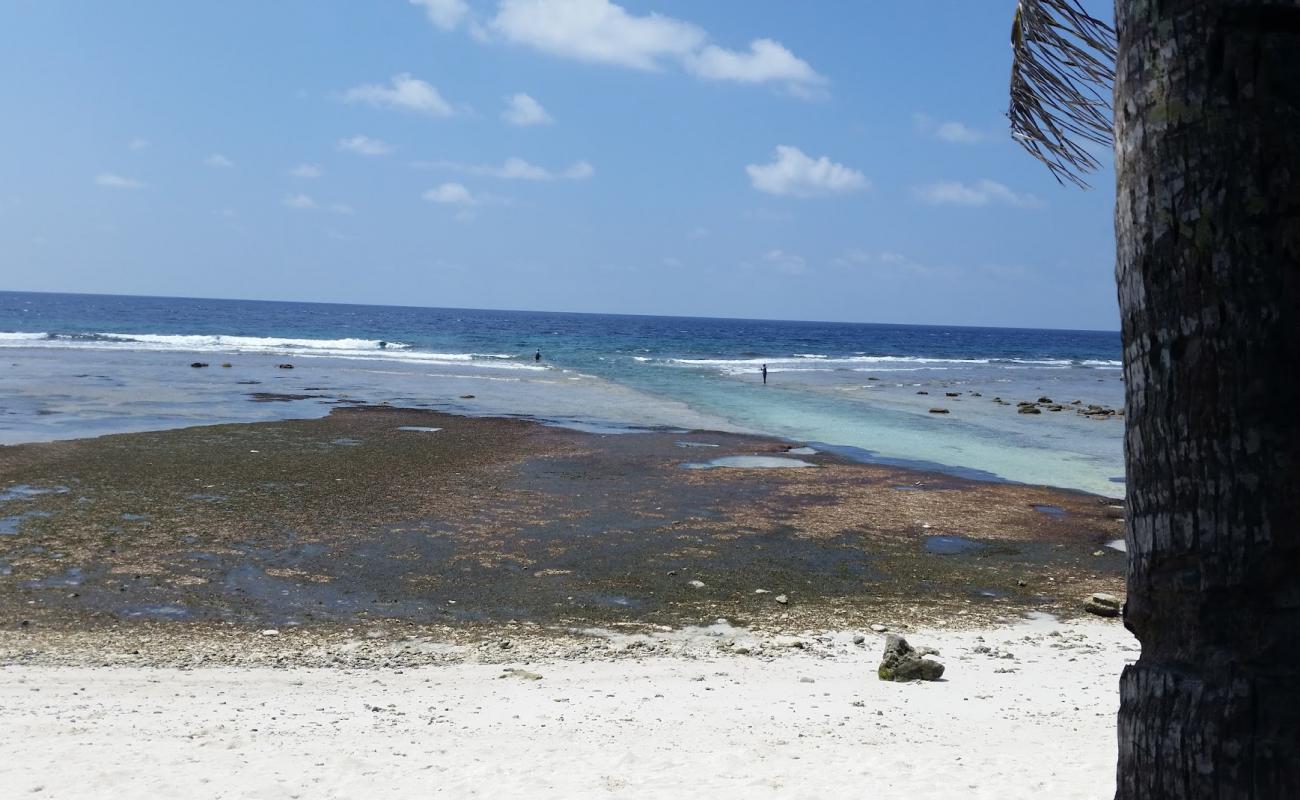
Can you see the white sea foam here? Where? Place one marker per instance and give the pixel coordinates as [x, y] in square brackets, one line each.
[804, 362]
[269, 345]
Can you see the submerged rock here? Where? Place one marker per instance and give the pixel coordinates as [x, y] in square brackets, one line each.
[902, 662]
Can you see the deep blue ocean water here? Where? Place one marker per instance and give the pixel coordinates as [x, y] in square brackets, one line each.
[849, 385]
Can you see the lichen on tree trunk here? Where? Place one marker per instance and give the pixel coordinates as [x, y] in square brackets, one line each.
[1207, 218]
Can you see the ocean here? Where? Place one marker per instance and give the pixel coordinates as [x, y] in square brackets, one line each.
[88, 365]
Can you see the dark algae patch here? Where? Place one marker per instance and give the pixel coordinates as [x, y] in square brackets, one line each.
[350, 518]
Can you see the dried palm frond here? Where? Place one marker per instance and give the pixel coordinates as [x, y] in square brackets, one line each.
[1061, 78]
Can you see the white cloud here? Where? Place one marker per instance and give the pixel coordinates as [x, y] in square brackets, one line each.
[111, 180]
[795, 174]
[307, 171]
[789, 263]
[365, 146]
[218, 161]
[515, 169]
[451, 194]
[299, 201]
[955, 132]
[597, 31]
[980, 193]
[523, 110]
[603, 32]
[406, 93]
[765, 62]
[138, 144]
[698, 232]
[883, 262]
[341, 208]
[444, 14]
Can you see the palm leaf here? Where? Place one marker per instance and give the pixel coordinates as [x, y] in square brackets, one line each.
[1061, 79]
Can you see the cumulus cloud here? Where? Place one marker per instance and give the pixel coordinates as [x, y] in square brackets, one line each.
[307, 171]
[515, 169]
[365, 146]
[789, 263]
[955, 132]
[980, 193]
[523, 110]
[766, 61]
[603, 32]
[111, 180]
[451, 194]
[301, 201]
[444, 14]
[405, 93]
[794, 173]
[218, 161]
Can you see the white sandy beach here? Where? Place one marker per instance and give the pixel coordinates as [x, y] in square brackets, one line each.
[807, 723]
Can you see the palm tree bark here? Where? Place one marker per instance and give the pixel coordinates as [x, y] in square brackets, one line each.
[1207, 219]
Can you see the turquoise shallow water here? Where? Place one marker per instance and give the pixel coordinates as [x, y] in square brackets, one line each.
[87, 365]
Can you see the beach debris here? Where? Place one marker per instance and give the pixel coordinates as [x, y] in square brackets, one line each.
[782, 599]
[696, 584]
[902, 662]
[285, 366]
[938, 411]
[1102, 604]
[199, 364]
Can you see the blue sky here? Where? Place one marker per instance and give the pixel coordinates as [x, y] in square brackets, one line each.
[838, 161]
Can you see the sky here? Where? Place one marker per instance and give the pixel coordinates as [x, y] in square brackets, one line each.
[733, 158]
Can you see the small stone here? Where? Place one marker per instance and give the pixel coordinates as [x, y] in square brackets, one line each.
[938, 411]
[1102, 604]
[878, 628]
[696, 584]
[806, 679]
[270, 632]
[792, 642]
[762, 591]
[902, 662]
[782, 599]
[199, 364]
[859, 638]
[226, 365]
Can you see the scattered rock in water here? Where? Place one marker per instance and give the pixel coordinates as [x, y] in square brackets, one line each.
[938, 411]
[902, 662]
[922, 392]
[953, 394]
[1102, 604]
[1044, 399]
[199, 364]
[467, 397]
[226, 365]
[1029, 410]
[782, 599]
[285, 366]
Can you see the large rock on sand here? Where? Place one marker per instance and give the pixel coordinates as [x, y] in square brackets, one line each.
[902, 662]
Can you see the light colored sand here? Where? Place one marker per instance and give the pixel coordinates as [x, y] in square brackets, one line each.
[720, 726]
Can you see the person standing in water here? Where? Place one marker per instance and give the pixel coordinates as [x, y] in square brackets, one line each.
[764, 373]
[537, 356]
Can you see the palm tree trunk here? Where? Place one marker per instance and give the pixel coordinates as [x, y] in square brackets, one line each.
[1207, 220]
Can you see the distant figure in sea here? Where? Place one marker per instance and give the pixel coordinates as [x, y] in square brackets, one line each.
[537, 356]
[383, 345]
[764, 373]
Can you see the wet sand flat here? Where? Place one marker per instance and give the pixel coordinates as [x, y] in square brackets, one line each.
[375, 513]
